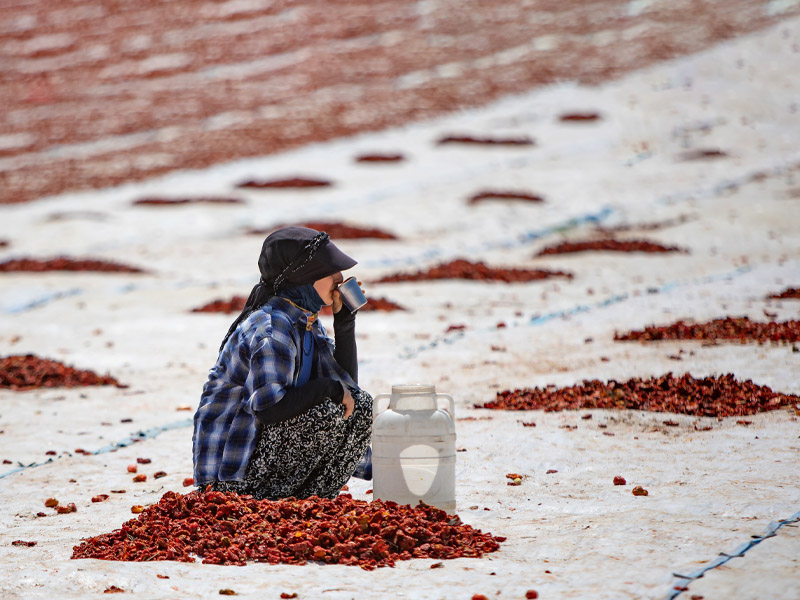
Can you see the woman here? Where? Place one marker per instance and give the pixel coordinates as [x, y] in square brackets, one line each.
[281, 413]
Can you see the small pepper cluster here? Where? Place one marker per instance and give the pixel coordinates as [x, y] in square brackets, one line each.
[741, 330]
[234, 305]
[63, 263]
[464, 269]
[27, 371]
[486, 140]
[608, 245]
[503, 195]
[788, 293]
[339, 231]
[228, 529]
[721, 396]
[159, 201]
[291, 182]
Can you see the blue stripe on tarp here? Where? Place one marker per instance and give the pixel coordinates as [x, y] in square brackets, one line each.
[112, 447]
[724, 557]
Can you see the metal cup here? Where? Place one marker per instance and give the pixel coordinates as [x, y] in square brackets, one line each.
[352, 296]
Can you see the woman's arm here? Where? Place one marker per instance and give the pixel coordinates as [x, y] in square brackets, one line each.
[346, 353]
[299, 400]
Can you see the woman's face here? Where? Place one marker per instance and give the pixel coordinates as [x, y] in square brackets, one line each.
[325, 287]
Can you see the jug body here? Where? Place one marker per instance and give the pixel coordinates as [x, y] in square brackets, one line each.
[413, 447]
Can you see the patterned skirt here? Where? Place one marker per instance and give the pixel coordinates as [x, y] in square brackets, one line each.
[312, 454]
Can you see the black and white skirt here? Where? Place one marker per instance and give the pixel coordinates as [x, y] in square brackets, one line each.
[312, 454]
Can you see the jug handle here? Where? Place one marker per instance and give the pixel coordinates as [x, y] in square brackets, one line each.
[451, 406]
[376, 401]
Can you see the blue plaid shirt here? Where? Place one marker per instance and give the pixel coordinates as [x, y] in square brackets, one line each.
[259, 361]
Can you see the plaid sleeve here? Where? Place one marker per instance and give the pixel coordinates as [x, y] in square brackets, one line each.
[272, 361]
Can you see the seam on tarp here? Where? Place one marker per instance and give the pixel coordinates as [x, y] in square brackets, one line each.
[682, 581]
[139, 436]
[574, 310]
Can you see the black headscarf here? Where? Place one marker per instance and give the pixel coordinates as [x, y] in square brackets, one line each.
[291, 257]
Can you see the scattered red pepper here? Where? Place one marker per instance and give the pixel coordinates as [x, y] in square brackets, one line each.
[140, 477]
[132, 468]
[143, 461]
[51, 503]
[287, 595]
[27, 371]
[23, 543]
[619, 480]
[113, 590]
[100, 498]
[62, 263]
[159, 474]
[225, 528]
[464, 269]
[531, 595]
[639, 491]
[721, 396]
[741, 330]
[188, 481]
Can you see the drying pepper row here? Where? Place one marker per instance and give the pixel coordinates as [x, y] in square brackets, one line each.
[27, 371]
[609, 245]
[228, 529]
[236, 304]
[65, 264]
[464, 269]
[337, 231]
[740, 330]
[721, 396]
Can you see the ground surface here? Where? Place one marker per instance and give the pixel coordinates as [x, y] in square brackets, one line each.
[571, 534]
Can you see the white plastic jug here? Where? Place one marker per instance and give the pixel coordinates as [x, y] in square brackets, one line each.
[413, 447]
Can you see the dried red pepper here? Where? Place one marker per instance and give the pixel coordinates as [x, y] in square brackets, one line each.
[609, 245]
[464, 269]
[486, 141]
[291, 182]
[741, 330]
[159, 201]
[788, 293]
[721, 396]
[225, 528]
[26, 372]
[63, 263]
[339, 231]
[503, 195]
[379, 157]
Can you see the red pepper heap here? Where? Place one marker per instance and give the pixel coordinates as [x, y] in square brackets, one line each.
[741, 330]
[27, 371]
[228, 529]
[707, 397]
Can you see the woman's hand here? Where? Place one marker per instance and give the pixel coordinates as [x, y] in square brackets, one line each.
[337, 303]
[349, 403]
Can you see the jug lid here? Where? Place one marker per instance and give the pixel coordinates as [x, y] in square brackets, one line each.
[414, 388]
